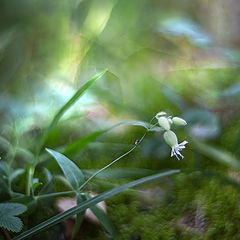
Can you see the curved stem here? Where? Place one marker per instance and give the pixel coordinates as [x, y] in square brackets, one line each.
[102, 169]
[117, 159]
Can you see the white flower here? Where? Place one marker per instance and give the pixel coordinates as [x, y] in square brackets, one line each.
[177, 149]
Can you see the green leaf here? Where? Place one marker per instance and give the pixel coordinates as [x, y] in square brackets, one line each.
[5, 144]
[16, 173]
[12, 208]
[120, 173]
[25, 154]
[85, 140]
[89, 203]
[8, 211]
[103, 219]
[218, 154]
[70, 102]
[82, 142]
[11, 223]
[72, 173]
[79, 218]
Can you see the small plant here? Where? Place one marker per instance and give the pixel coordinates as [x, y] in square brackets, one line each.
[77, 181]
[75, 176]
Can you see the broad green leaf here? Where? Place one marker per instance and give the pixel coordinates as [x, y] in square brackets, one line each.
[218, 154]
[12, 208]
[89, 203]
[69, 104]
[8, 211]
[11, 223]
[72, 173]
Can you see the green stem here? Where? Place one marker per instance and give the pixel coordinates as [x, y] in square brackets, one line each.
[117, 159]
[102, 169]
[30, 174]
[99, 171]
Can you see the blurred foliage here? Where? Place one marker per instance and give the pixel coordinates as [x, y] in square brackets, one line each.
[181, 57]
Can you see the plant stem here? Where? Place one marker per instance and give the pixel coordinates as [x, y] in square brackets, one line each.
[99, 171]
[30, 174]
[117, 159]
[102, 169]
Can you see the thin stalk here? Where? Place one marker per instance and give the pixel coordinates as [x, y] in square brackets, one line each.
[30, 174]
[102, 169]
[117, 159]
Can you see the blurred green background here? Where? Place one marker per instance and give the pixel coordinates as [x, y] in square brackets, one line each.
[181, 57]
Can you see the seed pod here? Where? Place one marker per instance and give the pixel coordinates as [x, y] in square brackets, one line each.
[163, 122]
[179, 121]
[170, 138]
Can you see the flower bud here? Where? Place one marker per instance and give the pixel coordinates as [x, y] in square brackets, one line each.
[163, 122]
[158, 115]
[170, 138]
[179, 121]
[170, 120]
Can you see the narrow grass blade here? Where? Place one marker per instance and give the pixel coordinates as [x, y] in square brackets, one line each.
[85, 140]
[103, 219]
[65, 107]
[121, 173]
[79, 218]
[81, 143]
[92, 202]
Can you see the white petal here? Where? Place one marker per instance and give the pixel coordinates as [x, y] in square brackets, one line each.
[172, 152]
[178, 152]
[175, 154]
[183, 143]
[181, 147]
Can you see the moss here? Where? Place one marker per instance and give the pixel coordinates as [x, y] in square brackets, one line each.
[218, 204]
[221, 205]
